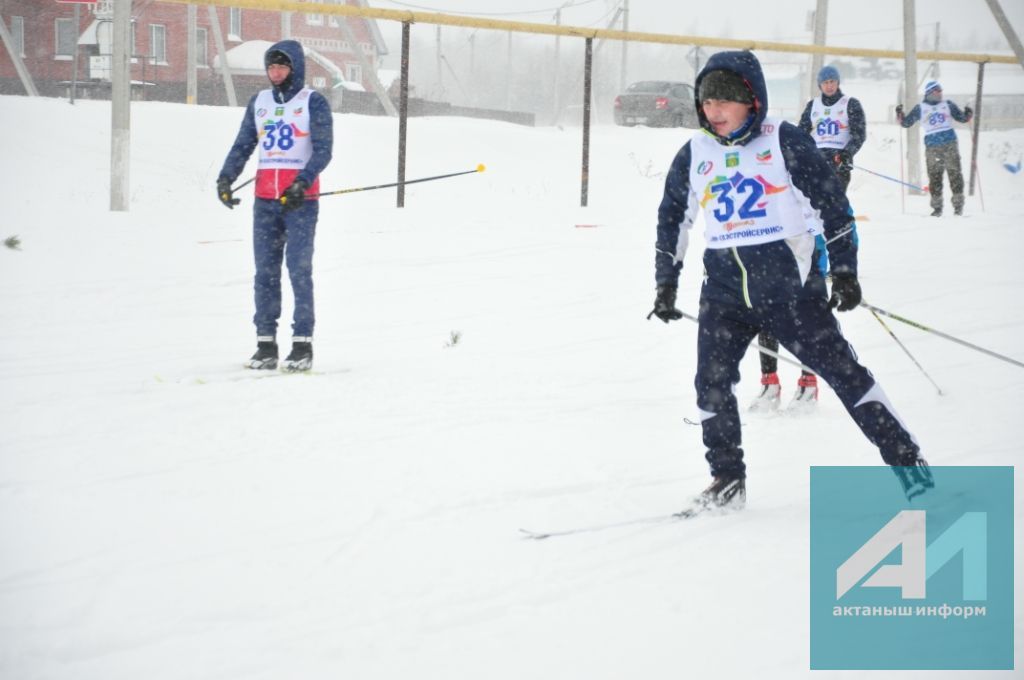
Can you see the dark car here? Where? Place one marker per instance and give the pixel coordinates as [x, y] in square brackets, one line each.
[656, 103]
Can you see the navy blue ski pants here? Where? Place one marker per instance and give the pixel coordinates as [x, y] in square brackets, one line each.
[278, 235]
[808, 329]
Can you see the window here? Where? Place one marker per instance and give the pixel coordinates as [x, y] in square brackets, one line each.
[201, 43]
[315, 19]
[64, 34]
[158, 43]
[18, 34]
[354, 72]
[234, 24]
[131, 43]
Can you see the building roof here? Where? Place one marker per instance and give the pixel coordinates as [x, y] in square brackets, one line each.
[246, 58]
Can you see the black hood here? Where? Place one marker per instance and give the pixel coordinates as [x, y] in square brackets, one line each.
[297, 80]
[746, 65]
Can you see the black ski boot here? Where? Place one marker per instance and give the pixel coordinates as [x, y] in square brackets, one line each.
[725, 492]
[301, 356]
[265, 358]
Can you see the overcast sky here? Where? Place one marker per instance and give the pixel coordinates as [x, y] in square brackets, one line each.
[861, 23]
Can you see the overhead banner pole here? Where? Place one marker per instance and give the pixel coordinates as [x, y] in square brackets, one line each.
[582, 32]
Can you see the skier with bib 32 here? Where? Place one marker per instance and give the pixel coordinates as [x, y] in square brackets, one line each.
[294, 129]
[766, 192]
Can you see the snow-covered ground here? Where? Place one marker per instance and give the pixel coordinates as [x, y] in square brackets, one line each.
[166, 515]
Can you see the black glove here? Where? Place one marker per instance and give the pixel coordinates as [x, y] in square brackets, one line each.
[899, 113]
[968, 112]
[665, 305]
[295, 194]
[843, 160]
[845, 292]
[224, 194]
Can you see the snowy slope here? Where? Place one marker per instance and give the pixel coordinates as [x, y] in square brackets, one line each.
[164, 514]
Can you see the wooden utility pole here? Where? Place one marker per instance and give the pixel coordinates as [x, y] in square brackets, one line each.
[403, 114]
[555, 99]
[910, 90]
[625, 47]
[74, 58]
[588, 60]
[508, 74]
[976, 130]
[120, 106]
[191, 82]
[440, 76]
[820, 30]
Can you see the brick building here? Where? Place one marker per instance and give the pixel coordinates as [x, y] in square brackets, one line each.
[44, 34]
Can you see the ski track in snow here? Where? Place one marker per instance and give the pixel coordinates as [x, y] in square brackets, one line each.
[166, 514]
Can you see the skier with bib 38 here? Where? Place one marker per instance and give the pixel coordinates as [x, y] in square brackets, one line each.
[294, 129]
[766, 192]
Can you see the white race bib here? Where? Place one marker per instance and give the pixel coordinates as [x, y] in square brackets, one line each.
[746, 192]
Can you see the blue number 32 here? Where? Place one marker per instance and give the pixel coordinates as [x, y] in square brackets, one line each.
[726, 205]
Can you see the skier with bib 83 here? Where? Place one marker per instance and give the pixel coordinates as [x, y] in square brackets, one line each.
[766, 192]
[293, 126]
[941, 150]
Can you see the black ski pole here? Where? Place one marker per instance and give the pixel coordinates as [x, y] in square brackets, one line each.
[904, 348]
[943, 335]
[479, 168]
[248, 181]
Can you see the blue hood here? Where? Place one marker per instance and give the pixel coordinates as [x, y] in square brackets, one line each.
[746, 65]
[297, 80]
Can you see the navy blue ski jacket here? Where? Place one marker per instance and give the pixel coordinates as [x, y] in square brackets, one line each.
[320, 121]
[769, 272]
